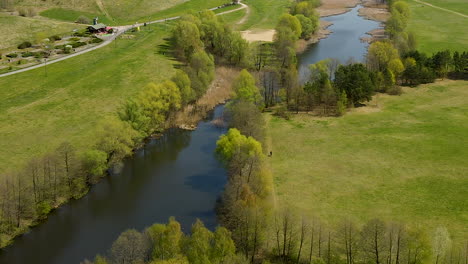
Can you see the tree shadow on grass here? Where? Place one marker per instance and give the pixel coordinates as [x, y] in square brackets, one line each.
[166, 49]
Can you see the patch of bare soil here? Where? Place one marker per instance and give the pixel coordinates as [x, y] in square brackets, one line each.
[374, 13]
[321, 34]
[258, 35]
[219, 92]
[335, 7]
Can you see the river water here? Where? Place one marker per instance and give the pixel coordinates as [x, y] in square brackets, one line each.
[343, 44]
[176, 175]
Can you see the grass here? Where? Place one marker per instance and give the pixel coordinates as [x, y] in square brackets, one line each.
[264, 14]
[16, 29]
[460, 6]
[72, 15]
[38, 112]
[436, 29]
[233, 18]
[406, 162]
[123, 12]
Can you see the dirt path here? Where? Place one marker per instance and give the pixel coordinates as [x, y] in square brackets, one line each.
[247, 13]
[441, 8]
[120, 31]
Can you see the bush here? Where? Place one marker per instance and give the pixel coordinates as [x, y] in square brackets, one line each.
[394, 90]
[77, 44]
[43, 209]
[74, 39]
[282, 112]
[40, 54]
[12, 55]
[27, 54]
[83, 20]
[22, 12]
[55, 38]
[96, 40]
[24, 45]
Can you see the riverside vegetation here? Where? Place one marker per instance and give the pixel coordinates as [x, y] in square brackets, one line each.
[262, 230]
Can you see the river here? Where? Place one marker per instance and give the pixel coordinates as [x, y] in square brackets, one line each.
[176, 175]
[343, 44]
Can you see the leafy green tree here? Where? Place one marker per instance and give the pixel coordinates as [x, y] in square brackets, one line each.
[186, 39]
[223, 246]
[380, 54]
[402, 8]
[94, 162]
[291, 22]
[166, 240]
[201, 72]
[306, 8]
[100, 260]
[341, 104]
[183, 82]
[308, 27]
[396, 67]
[245, 89]
[247, 118]
[355, 80]
[157, 100]
[198, 247]
[285, 42]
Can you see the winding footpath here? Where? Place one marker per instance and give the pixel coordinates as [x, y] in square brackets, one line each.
[120, 31]
[441, 8]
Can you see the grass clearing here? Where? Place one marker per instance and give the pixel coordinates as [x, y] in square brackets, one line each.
[436, 29]
[72, 15]
[37, 113]
[264, 14]
[16, 29]
[234, 17]
[460, 6]
[406, 161]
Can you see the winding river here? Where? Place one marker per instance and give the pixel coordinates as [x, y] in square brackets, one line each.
[175, 175]
[343, 44]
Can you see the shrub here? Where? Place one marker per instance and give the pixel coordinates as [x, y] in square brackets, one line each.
[282, 112]
[12, 55]
[96, 40]
[55, 38]
[77, 44]
[43, 209]
[24, 45]
[27, 54]
[22, 12]
[74, 39]
[394, 90]
[83, 20]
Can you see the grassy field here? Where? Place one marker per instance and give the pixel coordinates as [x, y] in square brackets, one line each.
[460, 6]
[69, 15]
[264, 14]
[437, 29]
[16, 29]
[404, 160]
[39, 112]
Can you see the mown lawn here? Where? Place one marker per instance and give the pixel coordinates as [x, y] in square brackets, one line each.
[460, 6]
[438, 30]
[39, 112]
[264, 14]
[402, 161]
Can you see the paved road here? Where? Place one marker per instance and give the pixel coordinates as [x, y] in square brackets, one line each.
[120, 31]
[441, 8]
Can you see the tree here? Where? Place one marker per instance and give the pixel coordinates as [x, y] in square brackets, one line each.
[186, 38]
[130, 247]
[183, 82]
[94, 163]
[291, 22]
[245, 88]
[201, 71]
[223, 246]
[396, 67]
[380, 54]
[355, 80]
[308, 27]
[166, 240]
[197, 248]
[247, 118]
[373, 240]
[285, 42]
[440, 243]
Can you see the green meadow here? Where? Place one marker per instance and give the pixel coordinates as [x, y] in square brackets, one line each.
[264, 14]
[403, 158]
[437, 29]
[42, 108]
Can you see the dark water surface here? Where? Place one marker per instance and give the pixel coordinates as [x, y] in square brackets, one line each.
[343, 44]
[176, 175]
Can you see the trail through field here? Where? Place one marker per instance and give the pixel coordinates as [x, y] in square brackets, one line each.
[441, 8]
[120, 31]
[247, 13]
[103, 9]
